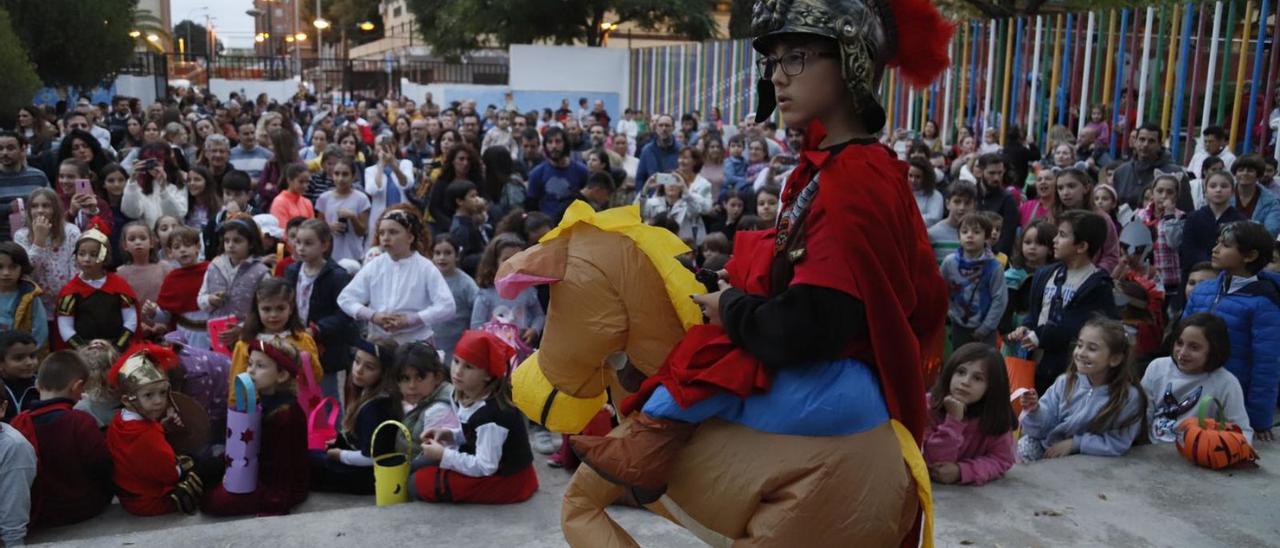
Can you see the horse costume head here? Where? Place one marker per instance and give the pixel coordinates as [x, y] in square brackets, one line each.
[604, 270]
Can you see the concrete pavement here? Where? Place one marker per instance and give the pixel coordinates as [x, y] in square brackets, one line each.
[1152, 497]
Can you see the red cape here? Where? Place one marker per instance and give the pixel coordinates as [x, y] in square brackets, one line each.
[864, 237]
[144, 467]
[180, 288]
[114, 284]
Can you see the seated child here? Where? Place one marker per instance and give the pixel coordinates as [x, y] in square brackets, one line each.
[99, 400]
[469, 228]
[1094, 408]
[150, 478]
[969, 439]
[488, 459]
[371, 398]
[291, 202]
[73, 483]
[1175, 385]
[997, 224]
[425, 392]
[944, 236]
[1071, 291]
[181, 287]
[17, 472]
[237, 191]
[272, 318]
[317, 280]
[18, 371]
[96, 304]
[233, 276]
[975, 282]
[1200, 230]
[143, 270]
[1246, 297]
[18, 294]
[444, 254]
[1034, 251]
[282, 472]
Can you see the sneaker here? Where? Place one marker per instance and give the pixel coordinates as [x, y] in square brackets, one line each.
[544, 441]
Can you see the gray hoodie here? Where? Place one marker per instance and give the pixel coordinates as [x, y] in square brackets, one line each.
[17, 471]
[1057, 418]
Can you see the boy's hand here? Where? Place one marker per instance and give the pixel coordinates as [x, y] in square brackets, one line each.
[1018, 334]
[216, 300]
[149, 309]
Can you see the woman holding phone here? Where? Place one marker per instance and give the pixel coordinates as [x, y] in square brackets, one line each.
[386, 180]
[155, 189]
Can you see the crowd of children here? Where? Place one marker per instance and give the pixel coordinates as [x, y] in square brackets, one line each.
[368, 274]
[1134, 318]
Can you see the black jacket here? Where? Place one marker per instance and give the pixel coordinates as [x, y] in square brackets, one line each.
[1096, 296]
[335, 330]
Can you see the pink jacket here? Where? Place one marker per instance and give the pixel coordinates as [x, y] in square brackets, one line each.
[981, 458]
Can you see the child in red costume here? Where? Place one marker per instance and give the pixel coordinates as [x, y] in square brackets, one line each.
[150, 479]
[282, 471]
[821, 328]
[96, 304]
[488, 459]
[181, 286]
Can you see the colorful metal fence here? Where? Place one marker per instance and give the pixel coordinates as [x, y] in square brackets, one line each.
[1180, 66]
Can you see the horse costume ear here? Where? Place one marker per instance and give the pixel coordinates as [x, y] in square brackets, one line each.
[541, 264]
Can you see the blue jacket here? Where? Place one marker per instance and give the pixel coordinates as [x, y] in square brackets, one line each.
[735, 176]
[656, 159]
[1267, 211]
[1057, 336]
[1253, 322]
[1059, 417]
[335, 330]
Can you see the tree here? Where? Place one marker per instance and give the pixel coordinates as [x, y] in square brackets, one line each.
[740, 18]
[20, 81]
[196, 37]
[74, 42]
[453, 27]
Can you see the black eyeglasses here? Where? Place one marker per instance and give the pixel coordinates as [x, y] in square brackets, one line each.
[792, 63]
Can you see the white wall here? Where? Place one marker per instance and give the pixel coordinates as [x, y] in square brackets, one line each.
[275, 89]
[142, 87]
[571, 70]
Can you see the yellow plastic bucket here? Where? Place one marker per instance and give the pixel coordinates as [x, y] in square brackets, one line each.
[391, 470]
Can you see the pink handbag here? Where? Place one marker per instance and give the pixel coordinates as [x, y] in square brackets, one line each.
[309, 394]
[319, 433]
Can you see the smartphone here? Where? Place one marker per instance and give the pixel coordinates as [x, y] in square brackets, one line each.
[17, 216]
[148, 164]
[667, 179]
[83, 186]
[709, 279]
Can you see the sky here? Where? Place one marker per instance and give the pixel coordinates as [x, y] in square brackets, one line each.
[232, 25]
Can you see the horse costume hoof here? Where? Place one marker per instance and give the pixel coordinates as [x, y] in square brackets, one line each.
[642, 459]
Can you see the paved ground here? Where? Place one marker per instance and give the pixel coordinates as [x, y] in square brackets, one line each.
[1150, 498]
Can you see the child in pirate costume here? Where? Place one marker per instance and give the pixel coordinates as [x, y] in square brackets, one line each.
[828, 313]
[96, 304]
[150, 478]
[488, 459]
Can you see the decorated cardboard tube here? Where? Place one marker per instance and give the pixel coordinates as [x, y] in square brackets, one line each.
[244, 429]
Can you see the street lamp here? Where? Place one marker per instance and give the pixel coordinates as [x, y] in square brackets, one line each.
[135, 33]
[366, 26]
[321, 23]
